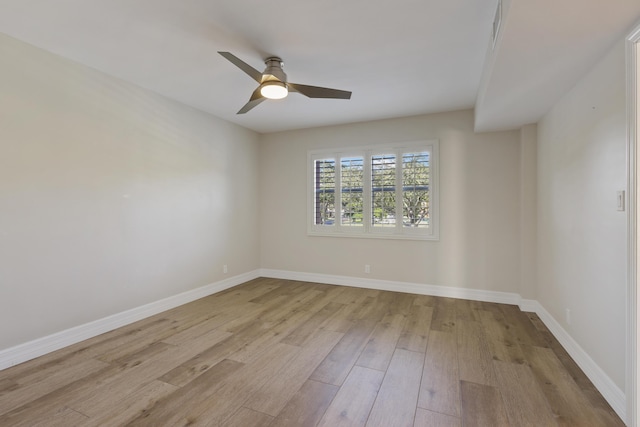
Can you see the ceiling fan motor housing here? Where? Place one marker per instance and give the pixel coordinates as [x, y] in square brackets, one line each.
[274, 70]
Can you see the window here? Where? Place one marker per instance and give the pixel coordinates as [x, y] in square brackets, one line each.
[383, 192]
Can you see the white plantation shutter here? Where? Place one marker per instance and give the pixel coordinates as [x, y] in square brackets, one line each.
[324, 191]
[351, 191]
[415, 189]
[381, 192]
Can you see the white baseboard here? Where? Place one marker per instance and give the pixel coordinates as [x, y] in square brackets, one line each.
[30, 350]
[38, 347]
[529, 305]
[609, 390]
[386, 285]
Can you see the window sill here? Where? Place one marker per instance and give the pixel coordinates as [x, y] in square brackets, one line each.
[384, 236]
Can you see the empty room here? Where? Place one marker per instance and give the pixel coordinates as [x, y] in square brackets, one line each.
[249, 213]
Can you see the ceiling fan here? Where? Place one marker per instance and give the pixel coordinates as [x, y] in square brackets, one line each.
[274, 85]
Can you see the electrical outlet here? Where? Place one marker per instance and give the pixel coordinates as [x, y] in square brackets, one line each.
[367, 268]
[224, 269]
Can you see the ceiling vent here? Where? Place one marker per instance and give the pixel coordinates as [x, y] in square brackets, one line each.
[497, 20]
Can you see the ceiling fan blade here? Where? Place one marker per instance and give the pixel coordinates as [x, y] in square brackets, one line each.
[252, 72]
[256, 98]
[319, 92]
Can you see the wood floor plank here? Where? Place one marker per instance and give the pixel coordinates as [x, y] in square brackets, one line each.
[336, 366]
[89, 348]
[425, 300]
[502, 344]
[325, 295]
[494, 308]
[213, 398]
[474, 359]
[7, 384]
[482, 406]
[203, 338]
[467, 310]
[415, 333]
[354, 400]
[64, 417]
[295, 302]
[397, 302]
[521, 326]
[165, 325]
[272, 397]
[99, 394]
[569, 364]
[171, 408]
[536, 321]
[31, 411]
[143, 340]
[440, 386]
[378, 307]
[524, 401]
[207, 308]
[426, 418]
[252, 350]
[200, 330]
[345, 317]
[307, 406]
[588, 390]
[276, 294]
[382, 342]
[338, 363]
[249, 318]
[567, 403]
[248, 418]
[356, 296]
[111, 378]
[299, 335]
[247, 291]
[444, 315]
[130, 407]
[233, 392]
[275, 311]
[148, 364]
[197, 365]
[395, 405]
[40, 383]
[604, 410]
[122, 336]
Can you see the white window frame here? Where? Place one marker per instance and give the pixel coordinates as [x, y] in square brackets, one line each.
[367, 230]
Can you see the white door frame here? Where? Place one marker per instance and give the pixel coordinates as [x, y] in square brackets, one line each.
[633, 210]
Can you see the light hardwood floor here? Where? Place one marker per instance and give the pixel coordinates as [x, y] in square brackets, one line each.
[283, 353]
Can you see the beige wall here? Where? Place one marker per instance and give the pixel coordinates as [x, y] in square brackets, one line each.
[479, 207]
[528, 210]
[111, 196]
[581, 236]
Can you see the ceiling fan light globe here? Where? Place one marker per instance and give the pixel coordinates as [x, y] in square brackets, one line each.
[274, 90]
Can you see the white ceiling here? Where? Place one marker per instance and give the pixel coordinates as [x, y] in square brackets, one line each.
[399, 58]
